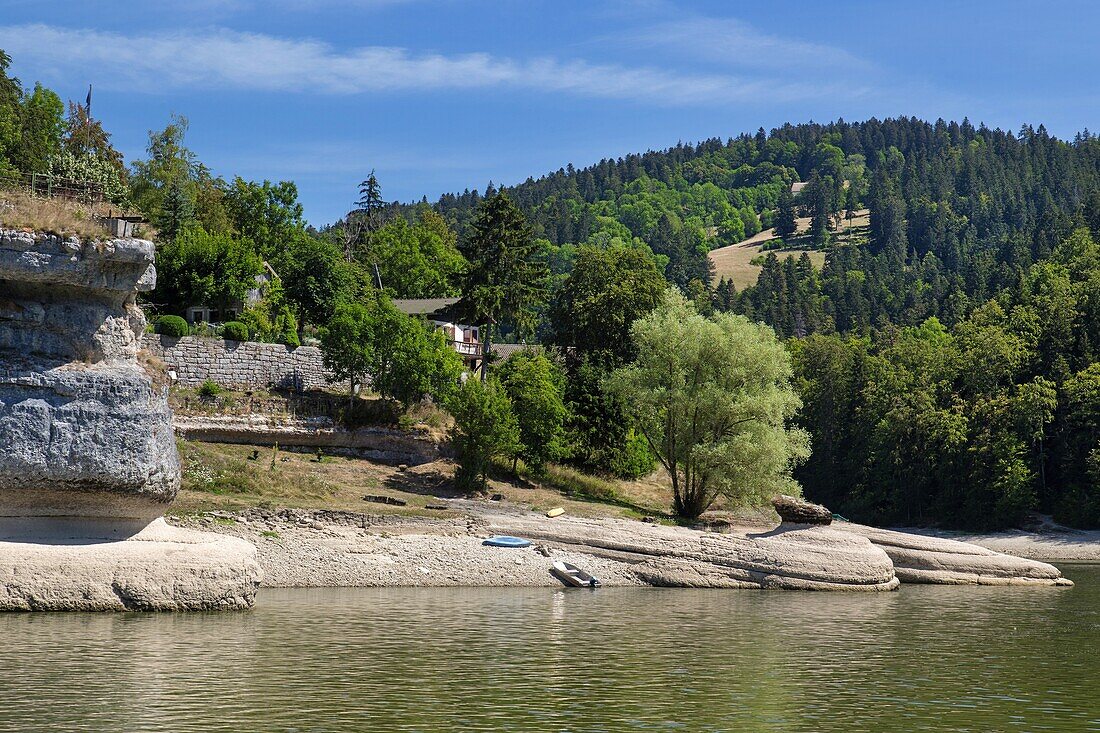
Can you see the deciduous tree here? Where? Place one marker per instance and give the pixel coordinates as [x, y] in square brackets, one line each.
[536, 387]
[485, 429]
[713, 398]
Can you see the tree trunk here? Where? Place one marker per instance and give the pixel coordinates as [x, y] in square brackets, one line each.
[689, 499]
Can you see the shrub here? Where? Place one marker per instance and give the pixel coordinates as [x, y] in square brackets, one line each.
[272, 320]
[635, 460]
[485, 428]
[204, 329]
[172, 326]
[234, 331]
[210, 388]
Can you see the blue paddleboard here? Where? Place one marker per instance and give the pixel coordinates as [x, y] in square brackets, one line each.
[506, 541]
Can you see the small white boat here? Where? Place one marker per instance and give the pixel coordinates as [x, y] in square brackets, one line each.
[573, 576]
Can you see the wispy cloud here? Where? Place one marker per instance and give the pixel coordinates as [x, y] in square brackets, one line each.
[737, 44]
[220, 59]
[324, 158]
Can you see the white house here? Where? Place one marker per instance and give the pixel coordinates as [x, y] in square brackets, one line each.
[465, 339]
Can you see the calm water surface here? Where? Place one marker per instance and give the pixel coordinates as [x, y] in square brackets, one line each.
[922, 659]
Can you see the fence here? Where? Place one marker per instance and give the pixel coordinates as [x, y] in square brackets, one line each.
[50, 186]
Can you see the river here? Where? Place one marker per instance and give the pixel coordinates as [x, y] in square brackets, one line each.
[925, 658]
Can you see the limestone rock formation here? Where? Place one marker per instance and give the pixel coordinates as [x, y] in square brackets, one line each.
[802, 558]
[89, 458]
[76, 566]
[843, 556]
[921, 559]
[800, 511]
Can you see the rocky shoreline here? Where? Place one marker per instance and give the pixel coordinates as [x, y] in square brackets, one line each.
[320, 548]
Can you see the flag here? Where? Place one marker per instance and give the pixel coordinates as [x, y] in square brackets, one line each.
[89, 102]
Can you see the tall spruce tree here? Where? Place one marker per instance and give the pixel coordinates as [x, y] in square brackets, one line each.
[506, 281]
[819, 211]
[177, 211]
[785, 223]
[364, 220]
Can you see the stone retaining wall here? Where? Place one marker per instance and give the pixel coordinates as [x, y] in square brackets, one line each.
[239, 364]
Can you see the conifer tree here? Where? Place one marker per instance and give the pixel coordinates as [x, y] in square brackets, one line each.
[176, 212]
[785, 223]
[819, 212]
[506, 281]
[370, 204]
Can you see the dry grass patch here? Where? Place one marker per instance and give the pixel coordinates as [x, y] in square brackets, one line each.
[20, 209]
[227, 477]
[735, 262]
[223, 476]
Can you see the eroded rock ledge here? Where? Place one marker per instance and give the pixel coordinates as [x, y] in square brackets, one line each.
[920, 559]
[321, 548]
[800, 557]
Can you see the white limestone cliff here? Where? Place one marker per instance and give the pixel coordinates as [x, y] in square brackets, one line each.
[88, 460]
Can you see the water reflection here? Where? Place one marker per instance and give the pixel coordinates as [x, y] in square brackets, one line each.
[925, 658]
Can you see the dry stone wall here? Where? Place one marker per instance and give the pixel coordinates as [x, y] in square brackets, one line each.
[240, 364]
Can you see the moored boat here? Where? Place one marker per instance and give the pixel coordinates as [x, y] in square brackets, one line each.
[571, 575]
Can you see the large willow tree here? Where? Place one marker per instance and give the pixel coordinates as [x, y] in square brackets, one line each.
[713, 398]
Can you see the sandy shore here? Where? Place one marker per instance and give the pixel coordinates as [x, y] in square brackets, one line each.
[320, 548]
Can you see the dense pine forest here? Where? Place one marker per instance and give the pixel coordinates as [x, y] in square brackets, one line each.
[948, 365]
[945, 358]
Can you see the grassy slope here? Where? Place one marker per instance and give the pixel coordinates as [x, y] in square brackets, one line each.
[735, 261]
[222, 476]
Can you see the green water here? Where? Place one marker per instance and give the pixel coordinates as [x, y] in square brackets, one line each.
[922, 659]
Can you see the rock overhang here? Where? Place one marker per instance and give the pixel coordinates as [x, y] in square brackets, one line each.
[58, 263]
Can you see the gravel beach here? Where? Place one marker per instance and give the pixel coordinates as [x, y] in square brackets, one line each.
[302, 548]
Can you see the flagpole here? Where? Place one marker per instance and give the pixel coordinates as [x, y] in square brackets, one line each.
[88, 121]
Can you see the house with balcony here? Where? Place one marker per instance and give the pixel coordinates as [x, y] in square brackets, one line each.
[441, 313]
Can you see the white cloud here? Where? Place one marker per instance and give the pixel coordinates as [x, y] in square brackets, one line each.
[735, 43]
[220, 59]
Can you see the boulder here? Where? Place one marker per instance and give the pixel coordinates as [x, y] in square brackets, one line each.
[800, 511]
[89, 461]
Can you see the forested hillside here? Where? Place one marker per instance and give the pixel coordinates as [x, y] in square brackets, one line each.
[948, 364]
[945, 354]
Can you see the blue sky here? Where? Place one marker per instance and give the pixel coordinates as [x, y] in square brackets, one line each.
[445, 95]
